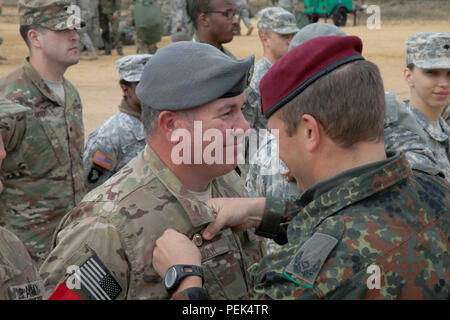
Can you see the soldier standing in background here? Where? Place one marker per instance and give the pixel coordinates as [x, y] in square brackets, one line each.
[146, 17]
[19, 276]
[428, 76]
[89, 33]
[109, 15]
[120, 138]
[43, 171]
[244, 14]
[182, 25]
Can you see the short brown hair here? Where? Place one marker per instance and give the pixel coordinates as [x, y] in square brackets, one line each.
[349, 103]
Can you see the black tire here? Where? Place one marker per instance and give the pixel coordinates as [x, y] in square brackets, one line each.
[313, 18]
[340, 17]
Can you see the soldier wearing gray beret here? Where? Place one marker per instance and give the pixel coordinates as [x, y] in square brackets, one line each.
[185, 75]
[113, 144]
[189, 86]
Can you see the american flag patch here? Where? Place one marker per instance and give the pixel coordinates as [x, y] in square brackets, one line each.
[102, 160]
[95, 278]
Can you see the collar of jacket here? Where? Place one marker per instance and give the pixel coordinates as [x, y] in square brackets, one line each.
[326, 198]
[198, 212]
[37, 80]
[125, 108]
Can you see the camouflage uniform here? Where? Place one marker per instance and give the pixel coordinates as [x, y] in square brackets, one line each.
[429, 150]
[109, 26]
[19, 276]
[380, 214]
[120, 138]
[266, 174]
[90, 34]
[119, 222]
[244, 14]
[43, 173]
[180, 19]
[281, 22]
[446, 113]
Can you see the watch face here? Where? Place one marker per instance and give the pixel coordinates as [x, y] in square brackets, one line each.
[171, 277]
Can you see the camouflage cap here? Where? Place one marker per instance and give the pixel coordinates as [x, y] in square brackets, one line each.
[277, 19]
[428, 50]
[130, 68]
[9, 108]
[56, 15]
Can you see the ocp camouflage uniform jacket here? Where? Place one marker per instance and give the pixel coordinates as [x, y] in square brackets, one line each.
[382, 215]
[119, 222]
[19, 276]
[43, 171]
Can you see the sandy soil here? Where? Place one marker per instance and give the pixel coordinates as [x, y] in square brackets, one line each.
[97, 81]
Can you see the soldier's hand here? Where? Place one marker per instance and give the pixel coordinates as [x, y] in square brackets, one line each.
[115, 15]
[239, 213]
[174, 248]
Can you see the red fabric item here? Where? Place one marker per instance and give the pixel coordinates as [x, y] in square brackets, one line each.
[302, 64]
[64, 293]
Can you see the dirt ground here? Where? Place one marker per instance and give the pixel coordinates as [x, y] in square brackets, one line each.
[97, 81]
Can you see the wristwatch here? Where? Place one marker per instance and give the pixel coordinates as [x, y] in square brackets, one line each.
[178, 272]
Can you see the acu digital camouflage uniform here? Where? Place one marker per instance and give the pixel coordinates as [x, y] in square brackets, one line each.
[446, 113]
[120, 221]
[379, 214]
[244, 14]
[19, 276]
[121, 137]
[166, 11]
[43, 172]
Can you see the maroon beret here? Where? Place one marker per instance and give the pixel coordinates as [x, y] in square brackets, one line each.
[303, 65]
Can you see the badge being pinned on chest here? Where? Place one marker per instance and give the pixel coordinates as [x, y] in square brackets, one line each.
[307, 263]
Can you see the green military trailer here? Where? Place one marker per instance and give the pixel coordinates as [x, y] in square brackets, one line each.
[337, 9]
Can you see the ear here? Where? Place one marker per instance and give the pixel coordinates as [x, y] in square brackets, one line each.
[125, 90]
[203, 20]
[408, 75]
[168, 122]
[312, 132]
[264, 37]
[35, 38]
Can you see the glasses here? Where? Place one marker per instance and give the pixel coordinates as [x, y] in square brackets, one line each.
[229, 14]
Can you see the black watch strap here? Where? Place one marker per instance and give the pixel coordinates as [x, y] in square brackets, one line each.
[183, 271]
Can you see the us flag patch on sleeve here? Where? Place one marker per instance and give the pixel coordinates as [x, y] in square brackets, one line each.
[103, 160]
[96, 280]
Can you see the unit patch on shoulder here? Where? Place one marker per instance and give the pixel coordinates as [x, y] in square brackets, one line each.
[103, 160]
[310, 258]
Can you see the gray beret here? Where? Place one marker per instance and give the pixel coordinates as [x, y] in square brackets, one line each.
[186, 74]
[314, 30]
[130, 68]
